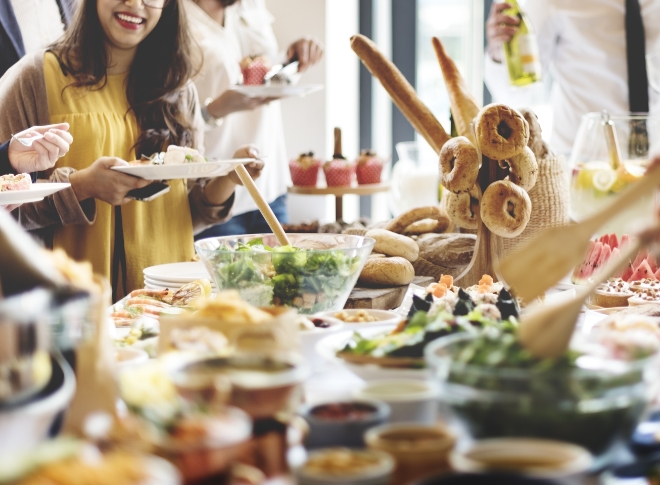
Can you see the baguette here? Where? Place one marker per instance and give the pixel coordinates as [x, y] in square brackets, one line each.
[401, 92]
[464, 107]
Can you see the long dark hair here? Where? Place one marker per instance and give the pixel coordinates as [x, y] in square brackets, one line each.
[156, 84]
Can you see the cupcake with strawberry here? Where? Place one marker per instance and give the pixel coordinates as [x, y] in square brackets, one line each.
[305, 170]
[368, 168]
[254, 68]
[338, 171]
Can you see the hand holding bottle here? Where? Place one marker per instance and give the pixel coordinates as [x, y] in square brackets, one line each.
[500, 28]
[508, 26]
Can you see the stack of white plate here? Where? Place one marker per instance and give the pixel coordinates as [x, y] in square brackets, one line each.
[174, 275]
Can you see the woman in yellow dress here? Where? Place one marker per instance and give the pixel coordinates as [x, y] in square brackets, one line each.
[121, 78]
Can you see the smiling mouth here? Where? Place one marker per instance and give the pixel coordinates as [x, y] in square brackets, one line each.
[131, 19]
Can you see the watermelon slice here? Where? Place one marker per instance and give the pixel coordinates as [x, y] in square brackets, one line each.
[615, 254]
[642, 271]
[605, 254]
[657, 275]
[653, 263]
[625, 239]
[604, 239]
[641, 256]
[627, 272]
[614, 242]
[586, 269]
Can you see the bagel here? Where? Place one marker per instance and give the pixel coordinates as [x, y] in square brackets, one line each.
[463, 208]
[502, 132]
[459, 164]
[387, 272]
[505, 208]
[392, 244]
[523, 168]
[400, 223]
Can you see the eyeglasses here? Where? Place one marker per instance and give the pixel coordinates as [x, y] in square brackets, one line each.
[156, 3]
[160, 4]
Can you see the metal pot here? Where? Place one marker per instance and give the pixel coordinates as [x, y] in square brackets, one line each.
[24, 345]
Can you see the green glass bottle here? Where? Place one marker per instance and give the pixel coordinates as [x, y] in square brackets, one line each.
[522, 52]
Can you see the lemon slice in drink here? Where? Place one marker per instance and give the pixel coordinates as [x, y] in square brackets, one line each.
[604, 179]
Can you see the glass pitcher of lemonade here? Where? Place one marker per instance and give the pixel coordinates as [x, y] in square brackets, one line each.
[595, 178]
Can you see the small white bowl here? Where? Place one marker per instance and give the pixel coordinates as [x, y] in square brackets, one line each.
[128, 356]
[377, 475]
[411, 401]
[329, 346]
[24, 427]
[309, 339]
[384, 317]
[524, 456]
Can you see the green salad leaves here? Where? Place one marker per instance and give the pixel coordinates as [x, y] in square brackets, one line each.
[308, 280]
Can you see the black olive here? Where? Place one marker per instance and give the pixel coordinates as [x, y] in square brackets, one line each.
[463, 307]
[462, 295]
[418, 305]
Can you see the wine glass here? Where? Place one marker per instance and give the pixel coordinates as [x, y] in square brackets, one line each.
[595, 180]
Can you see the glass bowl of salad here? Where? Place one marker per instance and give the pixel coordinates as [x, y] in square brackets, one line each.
[316, 273]
[592, 397]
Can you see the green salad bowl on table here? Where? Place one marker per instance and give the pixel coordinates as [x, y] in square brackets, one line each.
[496, 389]
[316, 273]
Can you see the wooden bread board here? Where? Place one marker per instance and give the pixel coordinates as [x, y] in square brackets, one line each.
[383, 298]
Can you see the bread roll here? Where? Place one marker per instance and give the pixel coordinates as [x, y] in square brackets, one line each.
[426, 226]
[392, 244]
[400, 223]
[387, 272]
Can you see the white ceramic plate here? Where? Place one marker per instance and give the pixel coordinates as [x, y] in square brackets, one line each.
[328, 347]
[385, 317]
[176, 272]
[172, 284]
[35, 193]
[285, 91]
[214, 168]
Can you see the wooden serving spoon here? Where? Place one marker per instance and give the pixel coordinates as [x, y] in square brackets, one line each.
[547, 329]
[263, 206]
[542, 262]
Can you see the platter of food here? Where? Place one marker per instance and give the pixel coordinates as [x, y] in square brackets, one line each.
[278, 91]
[24, 193]
[179, 163]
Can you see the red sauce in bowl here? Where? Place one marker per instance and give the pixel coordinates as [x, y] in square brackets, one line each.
[343, 411]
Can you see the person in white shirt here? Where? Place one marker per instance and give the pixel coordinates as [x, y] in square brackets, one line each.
[582, 45]
[30, 25]
[228, 31]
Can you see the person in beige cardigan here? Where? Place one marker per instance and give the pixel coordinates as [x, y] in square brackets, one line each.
[121, 78]
[24, 101]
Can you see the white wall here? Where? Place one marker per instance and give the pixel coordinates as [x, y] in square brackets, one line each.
[309, 121]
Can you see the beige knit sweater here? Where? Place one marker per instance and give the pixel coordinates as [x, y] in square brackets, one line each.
[24, 104]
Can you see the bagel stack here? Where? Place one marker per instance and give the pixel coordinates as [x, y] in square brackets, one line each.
[500, 134]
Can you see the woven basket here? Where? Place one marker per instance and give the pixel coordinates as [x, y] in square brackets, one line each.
[550, 201]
